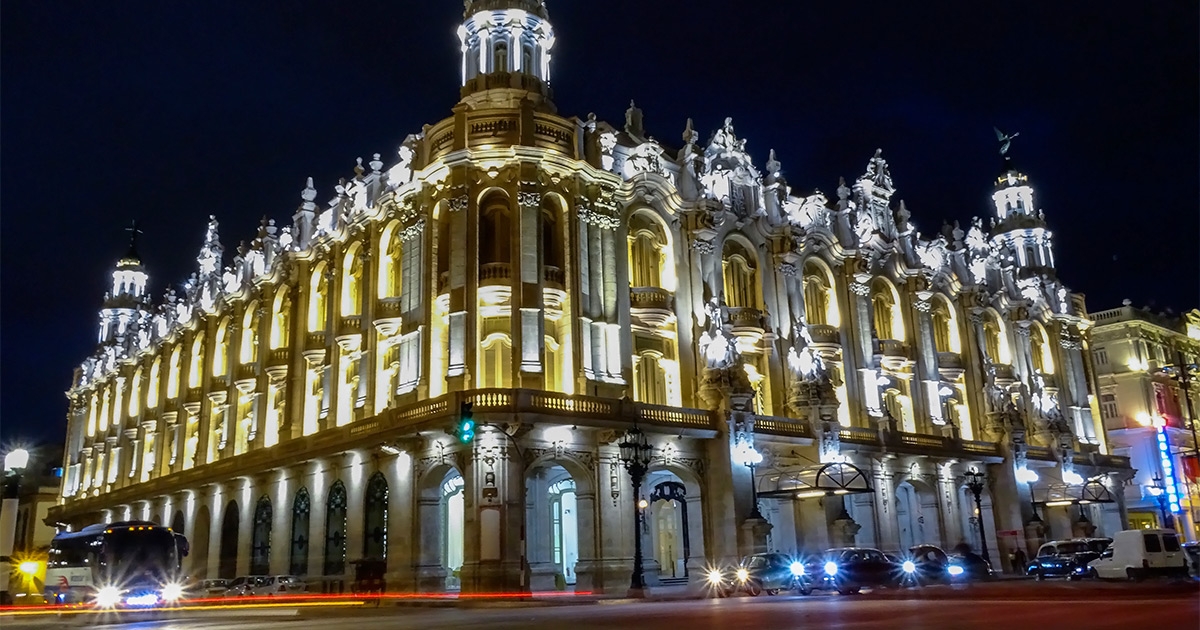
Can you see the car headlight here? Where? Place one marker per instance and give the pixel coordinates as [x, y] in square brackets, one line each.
[108, 597]
[831, 568]
[954, 569]
[715, 577]
[909, 566]
[742, 575]
[172, 592]
[797, 569]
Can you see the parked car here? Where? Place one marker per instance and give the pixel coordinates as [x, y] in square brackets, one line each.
[1063, 558]
[280, 585]
[759, 573]
[213, 588]
[848, 569]
[1136, 554]
[245, 585]
[968, 566]
[1192, 551]
[925, 564]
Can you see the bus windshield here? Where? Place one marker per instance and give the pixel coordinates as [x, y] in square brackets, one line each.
[136, 557]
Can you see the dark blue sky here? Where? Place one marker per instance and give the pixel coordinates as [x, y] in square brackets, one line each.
[169, 112]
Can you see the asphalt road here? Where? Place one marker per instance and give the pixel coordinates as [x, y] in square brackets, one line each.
[763, 613]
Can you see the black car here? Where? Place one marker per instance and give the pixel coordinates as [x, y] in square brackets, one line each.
[1064, 558]
[760, 573]
[968, 567]
[848, 569]
[925, 564]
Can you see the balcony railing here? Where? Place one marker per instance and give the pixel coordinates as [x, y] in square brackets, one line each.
[825, 334]
[553, 277]
[314, 340]
[495, 274]
[745, 317]
[651, 298]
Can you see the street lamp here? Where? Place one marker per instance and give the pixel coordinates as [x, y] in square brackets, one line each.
[636, 453]
[1030, 477]
[745, 454]
[975, 483]
[1158, 490]
[15, 462]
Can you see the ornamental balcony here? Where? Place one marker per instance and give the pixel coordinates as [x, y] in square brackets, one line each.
[315, 340]
[553, 277]
[950, 365]
[387, 308]
[279, 357]
[651, 298]
[194, 394]
[746, 317]
[495, 274]
[247, 372]
[350, 325]
[824, 335]
[892, 353]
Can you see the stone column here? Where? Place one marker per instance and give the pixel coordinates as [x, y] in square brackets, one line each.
[495, 518]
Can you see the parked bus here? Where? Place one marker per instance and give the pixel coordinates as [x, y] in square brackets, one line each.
[124, 564]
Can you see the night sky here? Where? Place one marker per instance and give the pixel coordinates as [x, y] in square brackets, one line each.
[168, 112]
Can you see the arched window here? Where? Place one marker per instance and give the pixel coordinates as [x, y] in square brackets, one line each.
[196, 366]
[494, 233]
[885, 311]
[496, 361]
[527, 59]
[554, 376]
[741, 278]
[352, 282]
[375, 519]
[650, 384]
[248, 350]
[500, 57]
[1039, 347]
[173, 372]
[220, 363]
[820, 302]
[135, 394]
[260, 539]
[552, 240]
[945, 327]
[647, 245]
[153, 385]
[391, 254]
[298, 558]
[993, 339]
[335, 530]
[104, 410]
[281, 320]
[318, 289]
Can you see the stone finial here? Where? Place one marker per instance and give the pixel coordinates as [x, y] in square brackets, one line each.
[309, 194]
[689, 133]
[633, 121]
[376, 164]
[358, 168]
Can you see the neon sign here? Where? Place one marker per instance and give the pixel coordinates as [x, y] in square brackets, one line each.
[1164, 454]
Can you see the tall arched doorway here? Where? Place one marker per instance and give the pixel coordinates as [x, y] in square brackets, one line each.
[375, 519]
[452, 508]
[674, 521]
[672, 542]
[917, 515]
[335, 531]
[227, 562]
[177, 522]
[201, 533]
[260, 538]
[551, 526]
[298, 555]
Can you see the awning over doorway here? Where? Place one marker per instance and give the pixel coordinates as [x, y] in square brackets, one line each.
[819, 480]
[1091, 491]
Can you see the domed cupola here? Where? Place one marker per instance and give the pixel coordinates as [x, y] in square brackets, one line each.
[505, 48]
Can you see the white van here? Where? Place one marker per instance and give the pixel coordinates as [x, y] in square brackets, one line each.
[1139, 553]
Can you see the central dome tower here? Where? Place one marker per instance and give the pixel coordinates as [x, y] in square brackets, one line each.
[505, 48]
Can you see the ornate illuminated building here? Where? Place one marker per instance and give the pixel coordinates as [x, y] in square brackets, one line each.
[290, 411]
[1146, 373]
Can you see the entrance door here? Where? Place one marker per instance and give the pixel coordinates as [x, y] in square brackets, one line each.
[670, 521]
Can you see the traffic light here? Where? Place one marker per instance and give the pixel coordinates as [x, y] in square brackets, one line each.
[465, 429]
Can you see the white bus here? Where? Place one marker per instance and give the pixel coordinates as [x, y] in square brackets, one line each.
[116, 565]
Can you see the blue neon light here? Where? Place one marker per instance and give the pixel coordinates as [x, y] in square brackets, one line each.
[1172, 488]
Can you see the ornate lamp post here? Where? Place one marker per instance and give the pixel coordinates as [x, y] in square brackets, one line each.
[14, 464]
[1158, 490]
[1030, 477]
[636, 453]
[745, 454]
[975, 483]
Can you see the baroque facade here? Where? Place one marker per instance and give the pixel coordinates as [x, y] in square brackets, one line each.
[1148, 395]
[290, 410]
